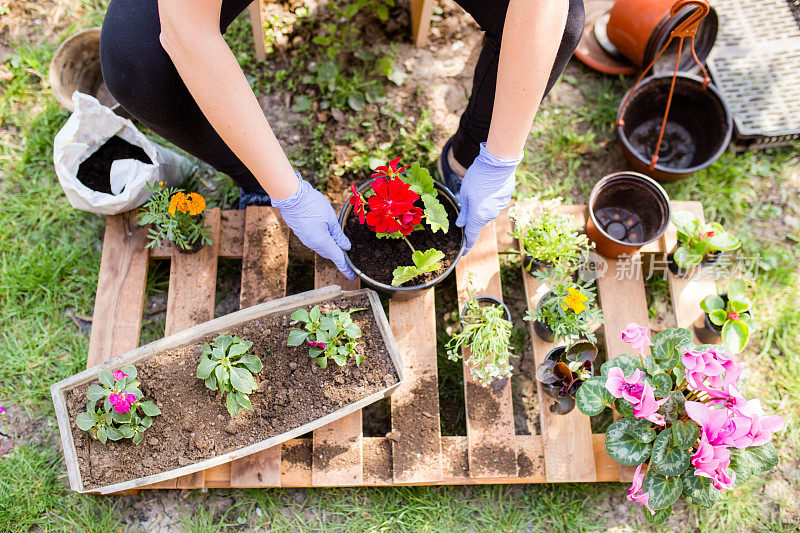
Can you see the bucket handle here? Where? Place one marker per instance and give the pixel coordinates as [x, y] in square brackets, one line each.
[685, 30]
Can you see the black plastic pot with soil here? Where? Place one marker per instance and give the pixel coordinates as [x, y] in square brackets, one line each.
[698, 128]
[558, 381]
[710, 333]
[531, 264]
[626, 211]
[542, 330]
[95, 170]
[374, 260]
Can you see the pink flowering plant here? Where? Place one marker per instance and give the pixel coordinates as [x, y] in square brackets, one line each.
[685, 425]
[329, 335]
[115, 409]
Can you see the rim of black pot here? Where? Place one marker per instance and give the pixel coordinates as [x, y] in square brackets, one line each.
[649, 181]
[716, 257]
[491, 299]
[348, 208]
[668, 170]
[704, 39]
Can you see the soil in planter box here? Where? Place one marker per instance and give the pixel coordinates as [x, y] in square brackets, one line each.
[195, 425]
[95, 171]
[377, 258]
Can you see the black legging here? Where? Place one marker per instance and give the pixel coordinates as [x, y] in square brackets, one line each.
[141, 76]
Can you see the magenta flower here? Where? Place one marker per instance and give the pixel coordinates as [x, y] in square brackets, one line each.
[648, 406]
[635, 493]
[761, 427]
[621, 387]
[123, 407]
[722, 427]
[637, 336]
[115, 398]
[2, 410]
[122, 404]
[118, 375]
[711, 369]
[130, 398]
[316, 344]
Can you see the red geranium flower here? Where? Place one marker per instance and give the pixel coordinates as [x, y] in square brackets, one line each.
[357, 201]
[389, 170]
[391, 208]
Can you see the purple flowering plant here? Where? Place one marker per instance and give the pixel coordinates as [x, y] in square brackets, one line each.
[685, 425]
[330, 335]
[115, 408]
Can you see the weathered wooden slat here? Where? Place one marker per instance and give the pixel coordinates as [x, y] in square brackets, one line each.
[338, 454]
[421, 11]
[257, 26]
[265, 257]
[490, 416]
[117, 317]
[567, 439]
[416, 444]
[686, 293]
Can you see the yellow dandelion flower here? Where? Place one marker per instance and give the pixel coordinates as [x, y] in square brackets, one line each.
[575, 301]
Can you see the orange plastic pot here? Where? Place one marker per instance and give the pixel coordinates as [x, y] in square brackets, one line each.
[641, 28]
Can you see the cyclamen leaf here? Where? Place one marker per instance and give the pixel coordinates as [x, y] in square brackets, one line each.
[84, 421]
[668, 345]
[639, 429]
[622, 447]
[761, 458]
[699, 489]
[625, 362]
[297, 337]
[624, 407]
[435, 214]
[593, 397]
[663, 490]
[205, 367]
[684, 434]
[427, 261]
[662, 384]
[659, 517]
[667, 458]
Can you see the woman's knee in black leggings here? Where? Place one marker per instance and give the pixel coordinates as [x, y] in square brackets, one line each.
[573, 31]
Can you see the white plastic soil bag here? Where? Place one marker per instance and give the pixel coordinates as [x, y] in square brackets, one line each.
[89, 127]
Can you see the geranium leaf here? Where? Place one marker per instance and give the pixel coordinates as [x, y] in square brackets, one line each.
[435, 214]
[622, 447]
[684, 434]
[663, 490]
[420, 180]
[593, 397]
[667, 458]
[699, 489]
[427, 261]
[403, 274]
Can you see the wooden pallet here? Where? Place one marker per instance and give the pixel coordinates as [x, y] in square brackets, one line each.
[415, 452]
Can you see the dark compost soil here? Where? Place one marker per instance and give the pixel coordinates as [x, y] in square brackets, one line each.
[95, 171]
[377, 258]
[194, 424]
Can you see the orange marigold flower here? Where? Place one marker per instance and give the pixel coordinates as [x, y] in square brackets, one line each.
[197, 204]
[178, 202]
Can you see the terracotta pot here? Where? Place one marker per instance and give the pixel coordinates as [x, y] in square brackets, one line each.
[76, 67]
[640, 29]
[626, 211]
[698, 130]
[407, 292]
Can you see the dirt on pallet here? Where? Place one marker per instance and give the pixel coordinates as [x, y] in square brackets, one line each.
[410, 421]
[377, 258]
[483, 406]
[195, 425]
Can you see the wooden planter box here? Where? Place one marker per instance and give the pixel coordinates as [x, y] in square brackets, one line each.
[281, 306]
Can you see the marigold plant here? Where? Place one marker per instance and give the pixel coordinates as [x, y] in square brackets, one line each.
[176, 217]
[122, 413]
[568, 309]
[389, 210]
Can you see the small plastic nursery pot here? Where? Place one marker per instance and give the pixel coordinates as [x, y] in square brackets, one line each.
[542, 330]
[551, 389]
[404, 293]
[709, 260]
[626, 211]
[486, 301]
[697, 132]
[196, 247]
[639, 29]
[532, 265]
[76, 67]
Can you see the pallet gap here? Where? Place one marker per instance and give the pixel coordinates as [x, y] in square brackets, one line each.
[229, 286]
[154, 314]
[376, 418]
[452, 403]
[299, 274]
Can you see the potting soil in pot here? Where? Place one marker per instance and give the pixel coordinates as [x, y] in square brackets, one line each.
[377, 258]
[195, 425]
[95, 171]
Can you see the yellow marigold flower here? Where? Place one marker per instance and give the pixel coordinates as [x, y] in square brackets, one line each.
[161, 184]
[197, 204]
[178, 202]
[575, 301]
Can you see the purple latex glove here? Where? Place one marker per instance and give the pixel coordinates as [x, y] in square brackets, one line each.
[313, 220]
[485, 191]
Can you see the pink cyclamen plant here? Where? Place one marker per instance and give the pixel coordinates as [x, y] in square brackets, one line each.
[635, 493]
[637, 336]
[638, 392]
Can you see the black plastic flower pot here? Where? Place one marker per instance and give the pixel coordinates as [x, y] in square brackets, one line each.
[697, 132]
[411, 291]
[542, 330]
[626, 211]
[564, 403]
[709, 260]
[485, 301]
[710, 333]
[196, 246]
[532, 265]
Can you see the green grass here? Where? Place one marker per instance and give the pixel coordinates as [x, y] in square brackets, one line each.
[49, 259]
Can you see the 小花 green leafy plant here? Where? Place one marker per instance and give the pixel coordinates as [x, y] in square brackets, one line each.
[121, 414]
[733, 316]
[226, 366]
[696, 240]
[330, 335]
[486, 333]
[550, 238]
